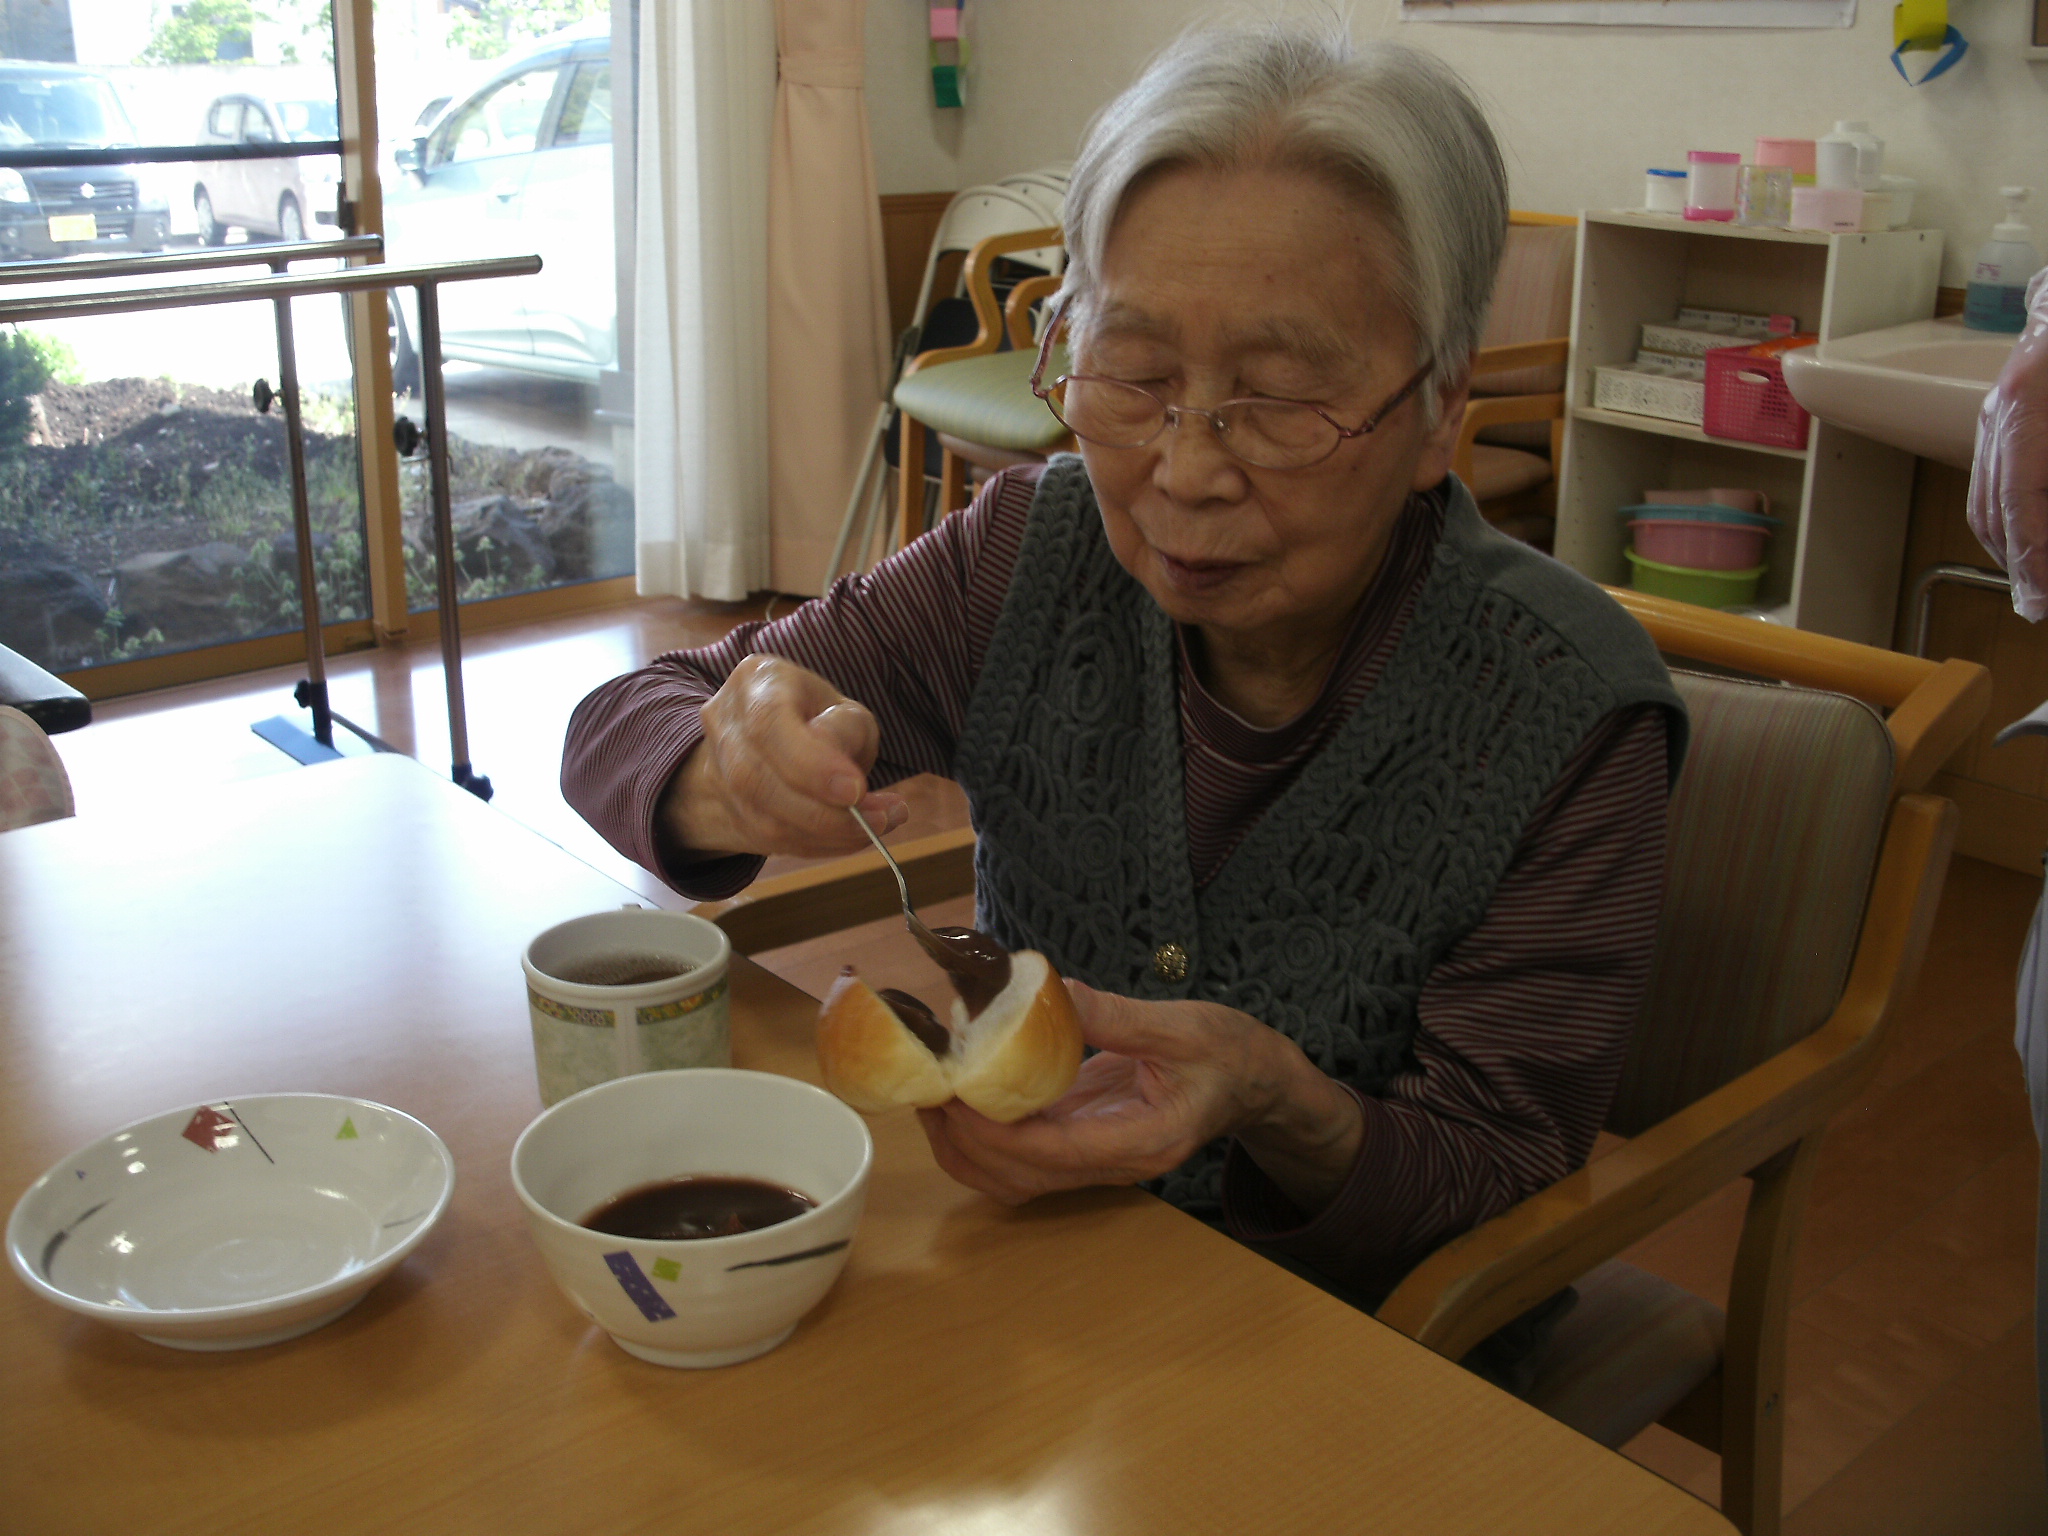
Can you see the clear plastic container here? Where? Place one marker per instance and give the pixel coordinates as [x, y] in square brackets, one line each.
[1710, 184]
[1664, 191]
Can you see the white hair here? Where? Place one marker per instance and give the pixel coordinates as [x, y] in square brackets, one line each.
[1391, 124]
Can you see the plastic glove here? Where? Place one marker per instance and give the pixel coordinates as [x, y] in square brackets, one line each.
[2009, 483]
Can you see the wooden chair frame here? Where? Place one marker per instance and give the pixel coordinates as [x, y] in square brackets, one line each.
[993, 323]
[1764, 1125]
[1483, 411]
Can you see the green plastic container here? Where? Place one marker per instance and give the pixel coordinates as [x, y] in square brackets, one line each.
[1709, 589]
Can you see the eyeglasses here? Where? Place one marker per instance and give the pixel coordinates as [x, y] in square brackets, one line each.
[1268, 434]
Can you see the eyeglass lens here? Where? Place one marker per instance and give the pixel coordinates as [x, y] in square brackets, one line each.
[1274, 434]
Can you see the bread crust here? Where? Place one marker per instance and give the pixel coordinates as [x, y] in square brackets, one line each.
[869, 1058]
[1021, 1053]
[1015, 1067]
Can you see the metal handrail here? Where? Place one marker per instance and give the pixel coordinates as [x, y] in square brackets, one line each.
[425, 278]
[127, 301]
[1935, 575]
[191, 261]
[44, 157]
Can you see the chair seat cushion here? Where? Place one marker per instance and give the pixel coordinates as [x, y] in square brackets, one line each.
[983, 456]
[984, 400]
[1504, 471]
[1628, 1353]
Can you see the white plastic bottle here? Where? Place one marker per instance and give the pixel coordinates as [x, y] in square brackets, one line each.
[1855, 134]
[1997, 296]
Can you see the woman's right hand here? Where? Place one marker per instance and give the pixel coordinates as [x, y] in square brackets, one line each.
[784, 754]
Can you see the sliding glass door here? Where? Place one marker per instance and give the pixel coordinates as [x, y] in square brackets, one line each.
[144, 504]
[516, 112]
[145, 529]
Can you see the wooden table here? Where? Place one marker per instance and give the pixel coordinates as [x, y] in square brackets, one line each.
[1097, 1362]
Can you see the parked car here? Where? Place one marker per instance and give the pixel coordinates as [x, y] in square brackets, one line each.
[53, 211]
[266, 199]
[520, 165]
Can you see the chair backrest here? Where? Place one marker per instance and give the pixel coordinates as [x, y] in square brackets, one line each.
[974, 216]
[1047, 196]
[33, 784]
[1532, 301]
[1776, 823]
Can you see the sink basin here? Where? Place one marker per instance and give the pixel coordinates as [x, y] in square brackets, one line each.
[1918, 387]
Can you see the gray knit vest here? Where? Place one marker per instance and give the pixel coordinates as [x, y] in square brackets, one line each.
[1384, 851]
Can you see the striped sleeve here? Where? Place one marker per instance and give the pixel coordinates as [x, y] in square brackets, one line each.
[1523, 1028]
[906, 639]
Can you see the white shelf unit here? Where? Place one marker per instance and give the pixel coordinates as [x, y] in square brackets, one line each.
[1843, 500]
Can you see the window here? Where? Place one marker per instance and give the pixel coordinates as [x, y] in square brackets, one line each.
[224, 118]
[256, 127]
[308, 121]
[587, 109]
[68, 110]
[504, 122]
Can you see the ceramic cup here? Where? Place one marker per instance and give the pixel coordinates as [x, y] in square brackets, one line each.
[705, 1301]
[589, 1028]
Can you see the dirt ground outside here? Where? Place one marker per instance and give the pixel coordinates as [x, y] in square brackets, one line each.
[145, 515]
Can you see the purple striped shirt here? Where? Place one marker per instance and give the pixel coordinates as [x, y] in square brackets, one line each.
[1523, 1023]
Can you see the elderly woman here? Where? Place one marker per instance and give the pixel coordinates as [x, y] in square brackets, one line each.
[1346, 811]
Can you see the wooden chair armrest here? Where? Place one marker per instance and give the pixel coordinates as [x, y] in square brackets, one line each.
[981, 292]
[824, 898]
[1933, 705]
[1017, 312]
[1483, 411]
[1494, 1273]
[1936, 718]
[1525, 216]
[1555, 351]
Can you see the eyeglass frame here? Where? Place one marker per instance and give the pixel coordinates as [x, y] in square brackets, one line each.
[1170, 415]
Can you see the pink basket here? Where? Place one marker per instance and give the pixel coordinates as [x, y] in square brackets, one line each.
[1747, 398]
[1700, 546]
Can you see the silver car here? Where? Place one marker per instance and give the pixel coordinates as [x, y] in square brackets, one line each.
[521, 165]
[267, 199]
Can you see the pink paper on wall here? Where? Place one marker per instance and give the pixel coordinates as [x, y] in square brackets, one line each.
[945, 23]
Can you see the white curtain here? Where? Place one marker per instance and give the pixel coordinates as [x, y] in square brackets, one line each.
[700, 394]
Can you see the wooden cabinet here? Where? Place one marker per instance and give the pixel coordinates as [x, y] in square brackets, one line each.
[1834, 565]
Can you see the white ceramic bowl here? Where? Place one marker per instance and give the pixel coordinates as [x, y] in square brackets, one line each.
[232, 1224]
[706, 1301]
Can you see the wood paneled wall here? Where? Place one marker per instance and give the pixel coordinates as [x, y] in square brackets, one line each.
[909, 220]
[2002, 791]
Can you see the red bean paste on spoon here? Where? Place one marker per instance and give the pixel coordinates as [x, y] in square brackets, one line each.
[977, 965]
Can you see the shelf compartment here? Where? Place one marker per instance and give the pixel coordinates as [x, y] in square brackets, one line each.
[1682, 430]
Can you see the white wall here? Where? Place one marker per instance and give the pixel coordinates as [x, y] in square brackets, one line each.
[1580, 110]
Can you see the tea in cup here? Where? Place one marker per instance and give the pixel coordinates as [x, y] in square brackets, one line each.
[635, 990]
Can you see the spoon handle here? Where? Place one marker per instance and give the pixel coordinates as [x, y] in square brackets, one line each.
[910, 918]
[862, 822]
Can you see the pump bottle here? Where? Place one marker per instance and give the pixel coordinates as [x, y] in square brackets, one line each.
[1997, 295]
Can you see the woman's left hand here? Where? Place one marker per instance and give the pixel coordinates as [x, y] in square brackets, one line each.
[1168, 1078]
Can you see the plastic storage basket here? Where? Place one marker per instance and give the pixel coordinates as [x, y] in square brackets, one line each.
[1746, 397]
[1709, 589]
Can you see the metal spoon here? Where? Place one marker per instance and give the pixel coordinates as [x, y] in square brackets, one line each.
[930, 942]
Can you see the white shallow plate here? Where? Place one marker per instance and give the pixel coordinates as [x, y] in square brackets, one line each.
[233, 1224]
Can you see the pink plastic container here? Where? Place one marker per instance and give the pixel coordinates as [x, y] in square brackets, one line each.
[1700, 546]
[1710, 184]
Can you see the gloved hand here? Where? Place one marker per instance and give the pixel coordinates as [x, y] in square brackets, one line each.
[2009, 483]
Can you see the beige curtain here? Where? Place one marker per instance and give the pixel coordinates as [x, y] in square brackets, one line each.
[828, 305]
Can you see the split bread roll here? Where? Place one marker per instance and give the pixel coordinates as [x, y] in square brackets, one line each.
[1011, 1060]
